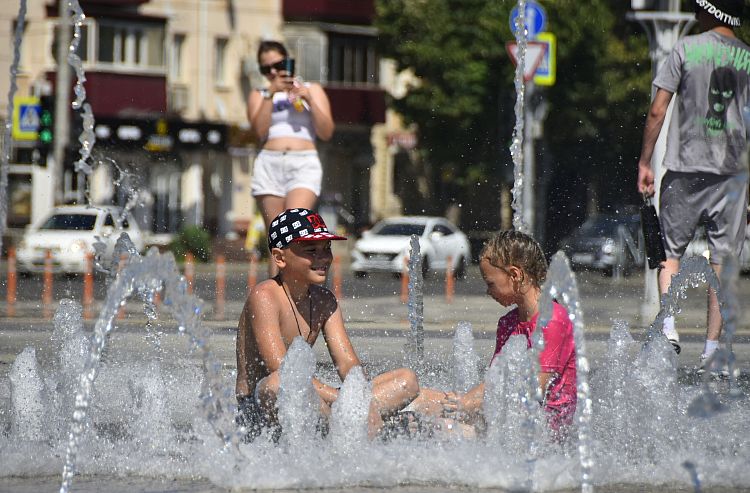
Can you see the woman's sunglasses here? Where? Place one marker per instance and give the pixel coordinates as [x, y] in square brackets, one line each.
[287, 64]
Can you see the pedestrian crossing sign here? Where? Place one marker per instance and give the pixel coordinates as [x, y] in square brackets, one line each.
[26, 111]
[546, 72]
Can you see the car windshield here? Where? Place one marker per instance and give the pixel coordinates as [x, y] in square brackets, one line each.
[70, 222]
[399, 229]
[599, 226]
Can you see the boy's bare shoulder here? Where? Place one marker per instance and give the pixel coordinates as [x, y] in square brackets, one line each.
[264, 292]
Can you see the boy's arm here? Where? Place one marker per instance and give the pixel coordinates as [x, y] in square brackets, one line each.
[262, 315]
[339, 345]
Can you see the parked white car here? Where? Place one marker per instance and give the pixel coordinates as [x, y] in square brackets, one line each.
[386, 247]
[69, 233]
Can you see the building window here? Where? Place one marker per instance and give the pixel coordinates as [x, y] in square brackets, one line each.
[176, 67]
[352, 60]
[131, 46]
[83, 50]
[220, 53]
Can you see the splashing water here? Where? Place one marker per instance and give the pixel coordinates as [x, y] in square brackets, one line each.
[298, 403]
[516, 147]
[465, 359]
[350, 411]
[28, 397]
[561, 286]
[144, 275]
[87, 137]
[415, 306]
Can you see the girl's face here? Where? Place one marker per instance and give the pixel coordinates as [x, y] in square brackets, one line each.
[268, 59]
[501, 281]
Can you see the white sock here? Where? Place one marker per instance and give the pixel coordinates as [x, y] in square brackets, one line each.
[710, 347]
[668, 328]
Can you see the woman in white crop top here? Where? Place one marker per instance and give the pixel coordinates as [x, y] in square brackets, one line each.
[287, 117]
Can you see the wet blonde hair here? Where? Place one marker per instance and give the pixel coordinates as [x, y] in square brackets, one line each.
[519, 249]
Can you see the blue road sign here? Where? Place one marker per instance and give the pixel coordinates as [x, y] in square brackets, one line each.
[29, 118]
[535, 19]
[26, 111]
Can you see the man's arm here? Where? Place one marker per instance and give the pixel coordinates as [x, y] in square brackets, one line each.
[654, 121]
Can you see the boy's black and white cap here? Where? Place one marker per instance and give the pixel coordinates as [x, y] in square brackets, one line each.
[727, 12]
[298, 225]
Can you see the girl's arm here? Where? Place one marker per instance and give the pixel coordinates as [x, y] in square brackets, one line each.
[259, 114]
[259, 108]
[320, 108]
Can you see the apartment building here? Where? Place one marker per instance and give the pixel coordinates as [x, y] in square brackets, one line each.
[168, 80]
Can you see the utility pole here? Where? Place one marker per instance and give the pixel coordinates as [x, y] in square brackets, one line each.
[664, 26]
[62, 101]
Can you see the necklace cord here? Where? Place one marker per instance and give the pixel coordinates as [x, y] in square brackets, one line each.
[294, 312]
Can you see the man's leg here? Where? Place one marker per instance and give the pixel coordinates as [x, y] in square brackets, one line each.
[713, 320]
[669, 268]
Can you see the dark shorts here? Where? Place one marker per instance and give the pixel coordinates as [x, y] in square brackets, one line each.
[254, 419]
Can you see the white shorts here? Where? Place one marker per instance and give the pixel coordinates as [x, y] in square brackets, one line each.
[278, 172]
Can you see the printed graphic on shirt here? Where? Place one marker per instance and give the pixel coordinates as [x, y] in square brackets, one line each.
[721, 90]
[724, 83]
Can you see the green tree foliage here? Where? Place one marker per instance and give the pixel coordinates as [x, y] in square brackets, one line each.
[464, 104]
[192, 239]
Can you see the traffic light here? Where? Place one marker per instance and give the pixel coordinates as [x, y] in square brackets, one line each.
[46, 121]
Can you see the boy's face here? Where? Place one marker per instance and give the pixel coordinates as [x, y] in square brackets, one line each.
[499, 280]
[308, 260]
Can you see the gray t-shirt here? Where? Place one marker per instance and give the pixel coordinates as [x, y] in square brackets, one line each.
[710, 74]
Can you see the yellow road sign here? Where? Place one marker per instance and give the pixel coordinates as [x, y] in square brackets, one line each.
[547, 71]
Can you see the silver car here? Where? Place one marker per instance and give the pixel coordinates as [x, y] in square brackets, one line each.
[385, 248]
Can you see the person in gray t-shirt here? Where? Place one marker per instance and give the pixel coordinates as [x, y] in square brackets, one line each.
[706, 179]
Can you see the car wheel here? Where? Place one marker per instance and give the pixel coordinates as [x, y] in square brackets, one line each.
[425, 267]
[360, 274]
[460, 271]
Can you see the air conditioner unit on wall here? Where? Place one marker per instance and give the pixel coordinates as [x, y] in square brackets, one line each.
[178, 98]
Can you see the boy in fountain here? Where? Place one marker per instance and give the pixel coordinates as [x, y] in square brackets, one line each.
[514, 267]
[294, 304]
[706, 179]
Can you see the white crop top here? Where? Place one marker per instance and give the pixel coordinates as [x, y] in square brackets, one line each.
[286, 121]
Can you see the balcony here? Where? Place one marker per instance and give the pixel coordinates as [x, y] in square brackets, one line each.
[353, 105]
[116, 94]
[344, 11]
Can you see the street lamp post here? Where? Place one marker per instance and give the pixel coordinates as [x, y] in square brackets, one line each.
[664, 26]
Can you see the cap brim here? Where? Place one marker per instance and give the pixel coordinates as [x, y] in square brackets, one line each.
[319, 237]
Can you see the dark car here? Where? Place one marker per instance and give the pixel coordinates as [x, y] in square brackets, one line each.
[604, 241]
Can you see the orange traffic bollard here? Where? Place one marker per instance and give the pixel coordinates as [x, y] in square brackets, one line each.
[221, 275]
[120, 266]
[252, 272]
[88, 286]
[11, 293]
[47, 288]
[449, 280]
[337, 291]
[189, 271]
[405, 282]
